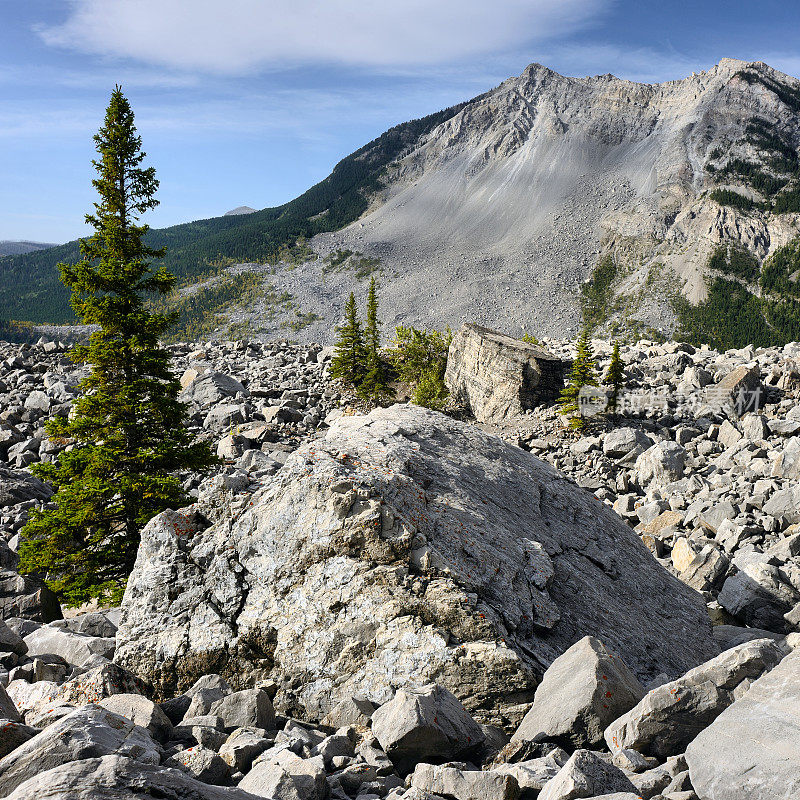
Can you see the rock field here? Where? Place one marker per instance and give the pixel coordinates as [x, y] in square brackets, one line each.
[410, 606]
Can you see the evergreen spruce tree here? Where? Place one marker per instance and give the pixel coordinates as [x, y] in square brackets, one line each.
[584, 373]
[348, 363]
[126, 434]
[614, 378]
[374, 386]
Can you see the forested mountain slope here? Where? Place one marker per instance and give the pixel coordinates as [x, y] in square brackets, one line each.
[29, 284]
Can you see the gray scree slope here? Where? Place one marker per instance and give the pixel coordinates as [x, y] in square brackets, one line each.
[500, 213]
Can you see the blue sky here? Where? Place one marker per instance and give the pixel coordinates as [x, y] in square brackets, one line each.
[249, 102]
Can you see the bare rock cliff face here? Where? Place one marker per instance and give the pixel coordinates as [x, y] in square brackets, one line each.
[403, 548]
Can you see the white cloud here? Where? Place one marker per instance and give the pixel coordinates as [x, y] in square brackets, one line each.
[240, 36]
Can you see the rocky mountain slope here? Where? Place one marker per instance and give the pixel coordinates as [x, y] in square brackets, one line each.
[503, 211]
[30, 288]
[239, 210]
[404, 606]
[513, 210]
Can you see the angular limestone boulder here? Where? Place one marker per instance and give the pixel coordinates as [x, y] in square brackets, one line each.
[660, 465]
[142, 712]
[27, 597]
[248, 708]
[581, 693]
[74, 648]
[759, 596]
[11, 641]
[785, 504]
[243, 747]
[203, 764]
[620, 442]
[752, 750]
[787, 464]
[498, 377]
[98, 683]
[671, 715]
[211, 387]
[116, 777]
[586, 775]
[533, 774]
[426, 724]
[13, 734]
[462, 784]
[738, 392]
[286, 775]
[89, 732]
[403, 548]
[8, 710]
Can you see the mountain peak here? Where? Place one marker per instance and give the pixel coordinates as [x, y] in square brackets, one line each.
[239, 210]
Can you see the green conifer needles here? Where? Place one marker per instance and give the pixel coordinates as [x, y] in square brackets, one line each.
[358, 361]
[348, 363]
[584, 373]
[126, 435]
[374, 387]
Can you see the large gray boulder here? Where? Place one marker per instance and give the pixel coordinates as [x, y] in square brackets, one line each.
[211, 387]
[99, 682]
[11, 641]
[405, 547]
[74, 648]
[737, 392]
[787, 463]
[201, 763]
[13, 734]
[286, 776]
[462, 784]
[759, 596]
[660, 465]
[752, 750]
[248, 708]
[785, 504]
[7, 708]
[621, 442]
[533, 774]
[141, 711]
[17, 487]
[498, 377]
[671, 715]
[89, 732]
[581, 693]
[116, 777]
[27, 597]
[427, 724]
[586, 775]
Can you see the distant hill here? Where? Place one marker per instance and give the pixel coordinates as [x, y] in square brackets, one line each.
[239, 210]
[29, 284]
[16, 248]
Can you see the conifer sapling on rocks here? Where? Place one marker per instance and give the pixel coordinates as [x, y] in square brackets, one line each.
[374, 386]
[127, 432]
[584, 373]
[347, 364]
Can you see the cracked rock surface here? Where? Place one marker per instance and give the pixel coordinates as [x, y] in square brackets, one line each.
[403, 547]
